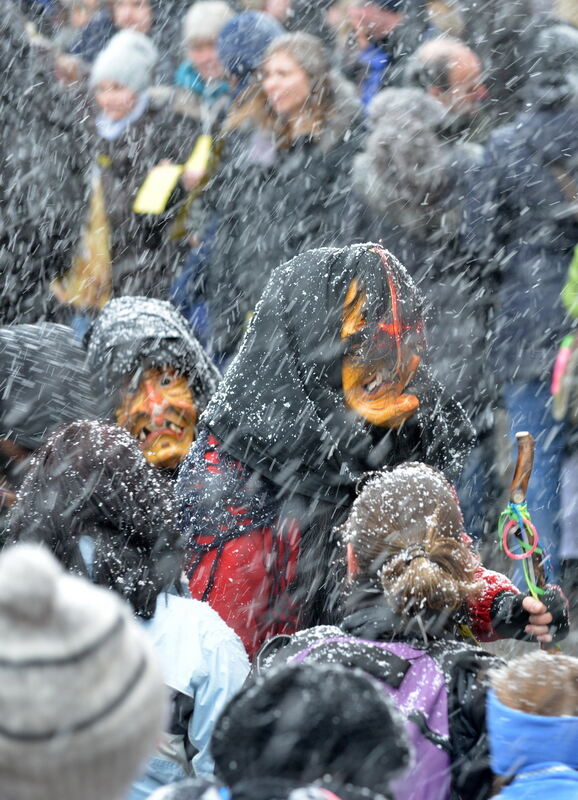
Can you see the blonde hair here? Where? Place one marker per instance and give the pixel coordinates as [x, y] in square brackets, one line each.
[310, 54]
[538, 683]
[406, 530]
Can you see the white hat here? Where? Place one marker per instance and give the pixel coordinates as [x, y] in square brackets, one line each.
[129, 59]
[81, 695]
[205, 19]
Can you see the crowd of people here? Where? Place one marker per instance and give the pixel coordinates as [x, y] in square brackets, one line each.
[281, 281]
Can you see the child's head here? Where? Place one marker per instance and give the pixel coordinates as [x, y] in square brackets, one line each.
[309, 721]
[121, 72]
[81, 694]
[532, 715]
[201, 27]
[537, 683]
[405, 533]
[103, 510]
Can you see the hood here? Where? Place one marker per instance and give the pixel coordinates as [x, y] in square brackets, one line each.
[44, 382]
[135, 333]
[523, 742]
[369, 616]
[552, 66]
[408, 173]
[309, 16]
[281, 408]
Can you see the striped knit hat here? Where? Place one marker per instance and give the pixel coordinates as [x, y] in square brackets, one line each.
[81, 695]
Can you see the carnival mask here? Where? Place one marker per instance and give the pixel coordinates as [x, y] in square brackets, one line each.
[160, 412]
[380, 361]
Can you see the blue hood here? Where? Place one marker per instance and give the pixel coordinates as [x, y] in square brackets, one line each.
[522, 742]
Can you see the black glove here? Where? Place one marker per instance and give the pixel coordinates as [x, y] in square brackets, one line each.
[509, 619]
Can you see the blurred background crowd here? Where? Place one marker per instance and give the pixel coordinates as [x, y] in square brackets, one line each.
[200, 147]
[161, 159]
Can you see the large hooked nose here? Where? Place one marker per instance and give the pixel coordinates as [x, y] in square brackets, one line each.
[154, 404]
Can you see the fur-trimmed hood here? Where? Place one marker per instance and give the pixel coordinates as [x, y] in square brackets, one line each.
[407, 171]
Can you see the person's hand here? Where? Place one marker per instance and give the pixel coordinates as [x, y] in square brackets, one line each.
[191, 178]
[515, 616]
[539, 621]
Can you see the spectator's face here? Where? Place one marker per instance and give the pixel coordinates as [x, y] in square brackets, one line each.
[286, 84]
[372, 23]
[467, 89]
[205, 59]
[137, 15]
[115, 100]
[278, 9]
[82, 11]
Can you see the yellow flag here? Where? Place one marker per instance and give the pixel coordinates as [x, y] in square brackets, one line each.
[158, 186]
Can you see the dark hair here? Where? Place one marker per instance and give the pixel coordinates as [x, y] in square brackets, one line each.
[407, 532]
[91, 480]
[303, 722]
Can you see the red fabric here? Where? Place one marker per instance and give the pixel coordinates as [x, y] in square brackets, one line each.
[494, 583]
[244, 582]
[255, 570]
[250, 587]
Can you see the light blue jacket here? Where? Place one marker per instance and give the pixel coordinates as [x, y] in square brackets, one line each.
[204, 664]
[541, 752]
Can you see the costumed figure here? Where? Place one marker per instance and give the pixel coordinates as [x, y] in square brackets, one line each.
[154, 373]
[330, 382]
[44, 385]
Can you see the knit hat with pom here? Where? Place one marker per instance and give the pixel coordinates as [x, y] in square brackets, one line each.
[243, 41]
[81, 695]
[128, 59]
[205, 19]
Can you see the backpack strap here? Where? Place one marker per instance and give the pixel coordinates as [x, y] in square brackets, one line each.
[420, 722]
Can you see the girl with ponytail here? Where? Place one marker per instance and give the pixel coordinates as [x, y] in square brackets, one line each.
[411, 576]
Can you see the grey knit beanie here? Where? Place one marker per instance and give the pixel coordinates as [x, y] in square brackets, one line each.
[81, 695]
[129, 59]
[205, 19]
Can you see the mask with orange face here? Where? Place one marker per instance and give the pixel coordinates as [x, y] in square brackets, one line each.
[161, 414]
[380, 361]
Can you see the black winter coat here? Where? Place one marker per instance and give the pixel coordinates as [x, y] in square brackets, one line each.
[270, 204]
[43, 193]
[518, 217]
[459, 297]
[143, 259]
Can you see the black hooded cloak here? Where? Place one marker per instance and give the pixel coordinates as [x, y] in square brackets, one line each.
[281, 409]
[277, 443]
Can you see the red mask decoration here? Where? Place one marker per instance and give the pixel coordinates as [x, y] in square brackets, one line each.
[381, 360]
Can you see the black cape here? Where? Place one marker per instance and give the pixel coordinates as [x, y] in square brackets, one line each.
[280, 409]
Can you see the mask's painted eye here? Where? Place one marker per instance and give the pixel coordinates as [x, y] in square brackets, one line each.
[166, 380]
